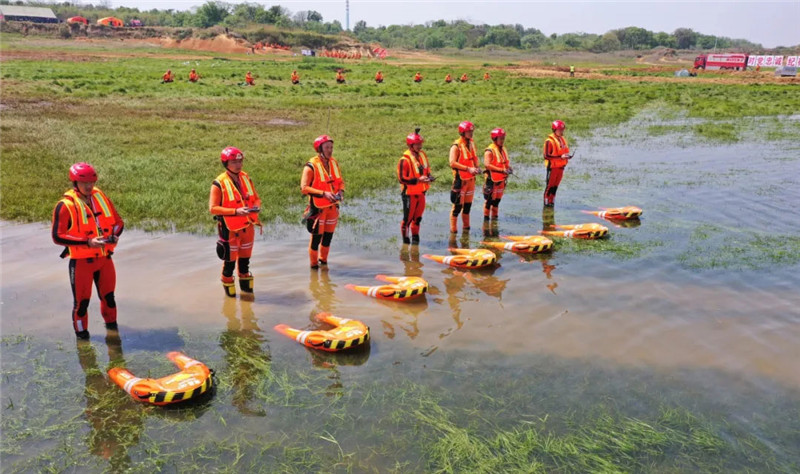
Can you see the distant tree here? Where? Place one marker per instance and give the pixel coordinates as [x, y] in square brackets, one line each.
[533, 41]
[607, 43]
[210, 14]
[460, 40]
[685, 38]
[360, 27]
[434, 42]
[503, 36]
[637, 38]
[665, 39]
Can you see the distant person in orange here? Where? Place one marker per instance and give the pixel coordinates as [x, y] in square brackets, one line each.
[464, 77]
[758, 68]
[417, 77]
[498, 168]
[322, 182]
[464, 163]
[248, 79]
[485, 76]
[295, 78]
[556, 156]
[340, 77]
[379, 77]
[86, 223]
[193, 76]
[234, 203]
[168, 76]
[448, 78]
[414, 174]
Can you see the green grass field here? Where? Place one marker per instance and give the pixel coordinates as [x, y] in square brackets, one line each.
[156, 146]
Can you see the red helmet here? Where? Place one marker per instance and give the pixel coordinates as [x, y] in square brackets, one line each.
[413, 138]
[231, 153]
[82, 172]
[321, 140]
[465, 126]
[558, 125]
[498, 132]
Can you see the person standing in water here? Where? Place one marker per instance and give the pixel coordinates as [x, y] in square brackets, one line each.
[234, 203]
[86, 222]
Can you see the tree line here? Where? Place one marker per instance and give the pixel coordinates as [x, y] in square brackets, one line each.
[430, 36]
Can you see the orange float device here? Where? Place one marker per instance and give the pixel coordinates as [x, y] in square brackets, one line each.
[347, 334]
[617, 213]
[578, 231]
[466, 258]
[399, 288]
[193, 380]
[523, 243]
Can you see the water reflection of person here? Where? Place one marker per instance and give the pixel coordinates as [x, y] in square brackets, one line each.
[247, 361]
[484, 280]
[115, 421]
[323, 292]
[548, 222]
[455, 242]
[409, 255]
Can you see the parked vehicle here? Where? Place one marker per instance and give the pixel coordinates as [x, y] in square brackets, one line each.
[737, 61]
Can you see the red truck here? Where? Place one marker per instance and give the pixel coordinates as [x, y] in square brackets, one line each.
[737, 61]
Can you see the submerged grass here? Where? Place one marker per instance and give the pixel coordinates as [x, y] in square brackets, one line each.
[291, 421]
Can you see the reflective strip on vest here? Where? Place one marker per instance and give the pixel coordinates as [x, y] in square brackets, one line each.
[557, 151]
[325, 181]
[467, 156]
[101, 199]
[499, 159]
[418, 188]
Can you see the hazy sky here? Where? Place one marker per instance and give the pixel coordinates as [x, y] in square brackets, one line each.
[771, 23]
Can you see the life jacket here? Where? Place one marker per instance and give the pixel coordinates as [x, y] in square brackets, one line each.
[193, 76]
[84, 224]
[559, 147]
[378, 77]
[499, 159]
[324, 180]
[232, 198]
[448, 78]
[467, 156]
[295, 77]
[417, 77]
[464, 78]
[248, 78]
[418, 169]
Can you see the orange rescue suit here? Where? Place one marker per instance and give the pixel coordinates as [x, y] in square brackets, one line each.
[499, 160]
[467, 156]
[232, 199]
[554, 147]
[409, 170]
[329, 180]
[84, 225]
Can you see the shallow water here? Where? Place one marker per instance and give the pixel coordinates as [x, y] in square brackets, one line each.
[695, 306]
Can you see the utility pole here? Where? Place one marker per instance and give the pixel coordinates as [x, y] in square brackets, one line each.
[347, 14]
